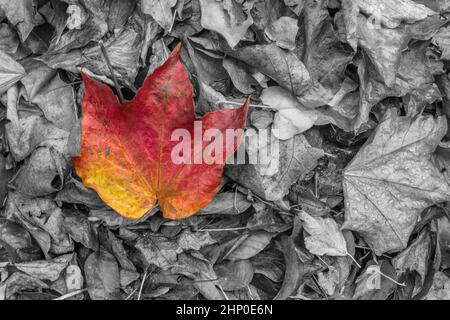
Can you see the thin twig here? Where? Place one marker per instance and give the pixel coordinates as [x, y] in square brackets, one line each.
[240, 104]
[224, 229]
[71, 294]
[328, 266]
[108, 63]
[390, 279]
[356, 262]
[64, 86]
[142, 285]
[132, 292]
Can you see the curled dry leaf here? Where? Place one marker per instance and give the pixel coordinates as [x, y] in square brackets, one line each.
[18, 242]
[292, 118]
[160, 10]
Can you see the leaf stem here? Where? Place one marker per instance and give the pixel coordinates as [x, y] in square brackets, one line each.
[240, 104]
[71, 294]
[390, 279]
[144, 277]
[111, 70]
[356, 262]
[224, 229]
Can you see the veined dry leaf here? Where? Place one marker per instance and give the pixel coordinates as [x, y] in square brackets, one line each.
[53, 96]
[282, 66]
[79, 228]
[329, 280]
[102, 276]
[226, 18]
[10, 71]
[234, 275]
[45, 269]
[440, 289]
[383, 45]
[9, 39]
[292, 161]
[322, 52]
[18, 282]
[392, 179]
[251, 246]
[414, 78]
[199, 269]
[226, 203]
[283, 31]
[22, 14]
[239, 74]
[295, 269]
[415, 257]
[323, 236]
[163, 252]
[392, 13]
[17, 241]
[160, 10]
[126, 151]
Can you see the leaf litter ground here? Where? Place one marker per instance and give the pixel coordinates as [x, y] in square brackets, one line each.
[354, 204]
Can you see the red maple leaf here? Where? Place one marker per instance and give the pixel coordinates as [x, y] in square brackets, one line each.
[127, 150]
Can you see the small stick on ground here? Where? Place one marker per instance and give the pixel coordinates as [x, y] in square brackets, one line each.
[108, 63]
[354, 260]
[71, 294]
[144, 277]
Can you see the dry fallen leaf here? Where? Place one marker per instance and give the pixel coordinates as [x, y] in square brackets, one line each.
[392, 179]
[323, 236]
[10, 71]
[227, 18]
